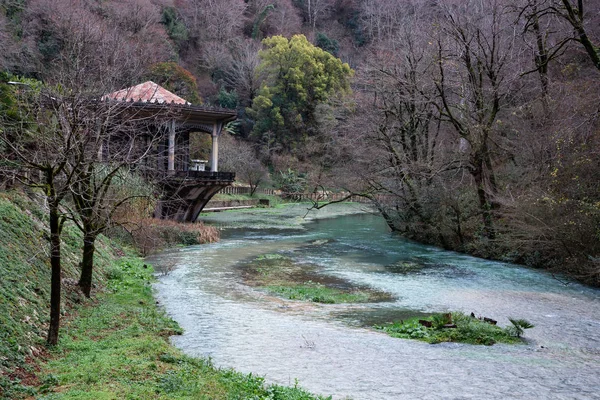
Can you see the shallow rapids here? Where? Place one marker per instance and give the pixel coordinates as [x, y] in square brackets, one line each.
[329, 349]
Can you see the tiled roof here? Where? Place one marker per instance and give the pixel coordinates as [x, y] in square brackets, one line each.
[147, 92]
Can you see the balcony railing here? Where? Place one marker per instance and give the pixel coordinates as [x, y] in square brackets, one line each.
[206, 175]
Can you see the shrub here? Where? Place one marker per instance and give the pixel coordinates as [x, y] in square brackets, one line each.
[150, 235]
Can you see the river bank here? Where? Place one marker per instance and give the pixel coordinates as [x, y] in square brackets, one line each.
[117, 347]
[113, 346]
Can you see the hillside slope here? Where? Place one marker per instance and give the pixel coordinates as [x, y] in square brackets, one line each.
[25, 281]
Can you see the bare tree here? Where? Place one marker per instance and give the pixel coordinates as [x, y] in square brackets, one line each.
[117, 139]
[240, 156]
[38, 143]
[213, 20]
[61, 129]
[574, 15]
[64, 33]
[5, 43]
[315, 10]
[473, 82]
[239, 72]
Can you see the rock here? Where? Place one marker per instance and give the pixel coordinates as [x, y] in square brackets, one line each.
[425, 323]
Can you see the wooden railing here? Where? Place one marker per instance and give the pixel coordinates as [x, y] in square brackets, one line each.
[247, 190]
[318, 196]
[206, 175]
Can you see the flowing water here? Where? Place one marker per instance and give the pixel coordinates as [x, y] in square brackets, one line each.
[330, 350]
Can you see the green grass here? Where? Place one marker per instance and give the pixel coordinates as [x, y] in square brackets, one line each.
[112, 347]
[468, 330]
[273, 200]
[25, 284]
[319, 293]
[117, 348]
[283, 276]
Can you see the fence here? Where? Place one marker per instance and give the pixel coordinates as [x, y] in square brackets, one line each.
[318, 196]
[246, 190]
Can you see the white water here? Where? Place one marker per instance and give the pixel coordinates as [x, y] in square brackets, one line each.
[325, 349]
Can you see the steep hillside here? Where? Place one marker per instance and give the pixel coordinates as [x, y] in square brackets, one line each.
[25, 281]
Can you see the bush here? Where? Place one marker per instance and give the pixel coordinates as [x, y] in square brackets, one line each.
[456, 327]
[150, 235]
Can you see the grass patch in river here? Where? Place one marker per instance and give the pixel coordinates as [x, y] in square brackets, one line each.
[318, 293]
[282, 276]
[454, 327]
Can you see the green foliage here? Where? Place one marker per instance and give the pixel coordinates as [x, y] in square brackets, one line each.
[8, 102]
[353, 23]
[518, 326]
[284, 277]
[9, 95]
[260, 18]
[291, 181]
[49, 44]
[176, 79]
[25, 281]
[439, 320]
[174, 26]
[12, 9]
[331, 46]
[227, 99]
[319, 293]
[296, 77]
[468, 330]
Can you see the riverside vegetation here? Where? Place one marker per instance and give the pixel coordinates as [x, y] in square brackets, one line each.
[456, 327]
[278, 274]
[112, 346]
[282, 276]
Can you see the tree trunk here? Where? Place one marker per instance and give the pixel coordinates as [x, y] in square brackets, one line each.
[575, 18]
[484, 204]
[387, 217]
[87, 264]
[541, 61]
[55, 263]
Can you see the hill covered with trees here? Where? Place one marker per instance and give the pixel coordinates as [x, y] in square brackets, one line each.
[477, 121]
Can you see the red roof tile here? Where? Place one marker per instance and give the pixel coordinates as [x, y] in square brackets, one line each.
[147, 92]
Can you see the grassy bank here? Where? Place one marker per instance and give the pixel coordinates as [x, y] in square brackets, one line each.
[274, 201]
[114, 346]
[25, 286]
[118, 348]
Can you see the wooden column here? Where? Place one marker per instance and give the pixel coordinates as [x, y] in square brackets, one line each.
[214, 155]
[171, 165]
[186, 151]
[100, 142]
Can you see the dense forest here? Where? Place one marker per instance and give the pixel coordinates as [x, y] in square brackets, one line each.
[473, 125]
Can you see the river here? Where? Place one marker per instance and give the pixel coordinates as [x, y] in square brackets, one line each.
[330, 349]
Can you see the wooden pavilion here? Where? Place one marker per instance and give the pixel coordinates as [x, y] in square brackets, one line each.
[187, 186]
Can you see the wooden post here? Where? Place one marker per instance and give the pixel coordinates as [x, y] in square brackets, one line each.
[214, 155]
[101, 140]
[171, 166]
[186, 151]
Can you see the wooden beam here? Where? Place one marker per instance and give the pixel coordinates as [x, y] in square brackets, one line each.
[171, 167]
[214, 155]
